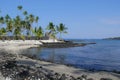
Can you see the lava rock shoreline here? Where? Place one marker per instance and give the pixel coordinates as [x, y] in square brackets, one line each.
[13, 69]
[64, 44]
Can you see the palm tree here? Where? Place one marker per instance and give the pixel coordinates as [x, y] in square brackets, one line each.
[9, 24]
[31, 21]
[7, 18]
[19, 7]
[28, 28]
[61, 29]
[36, 20]
[27, 24]
[52, 30]
[31, 18]
[38, 32]
[17, 27]
[2, 20]
[51, 26]
[25, 13]
[2, 32]
[17, 32]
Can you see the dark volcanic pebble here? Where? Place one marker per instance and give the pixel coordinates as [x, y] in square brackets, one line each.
[17, 71]
[105, 79]
[90, 79]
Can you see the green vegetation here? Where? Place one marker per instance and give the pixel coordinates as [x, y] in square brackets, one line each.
[38, 32]
[52, 30]
[26, 24]
[61, 29]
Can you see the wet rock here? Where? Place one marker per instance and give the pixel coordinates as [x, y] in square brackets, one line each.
[84, 76]
[38, 66]
[63, 77]
[23, 74]
[90, 79]
[79, 78]
[72, 78]
[105, 79]
[10, 64]
[64, 44]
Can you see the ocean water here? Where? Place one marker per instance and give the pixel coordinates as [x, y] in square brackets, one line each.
[104, 55]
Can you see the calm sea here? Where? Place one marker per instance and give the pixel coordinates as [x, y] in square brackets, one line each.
[104, 55]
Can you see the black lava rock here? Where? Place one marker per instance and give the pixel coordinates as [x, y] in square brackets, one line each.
[105, 79]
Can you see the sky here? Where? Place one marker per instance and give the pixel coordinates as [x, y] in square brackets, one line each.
[85, 19]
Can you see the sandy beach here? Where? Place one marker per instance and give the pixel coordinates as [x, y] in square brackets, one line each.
[15, 47]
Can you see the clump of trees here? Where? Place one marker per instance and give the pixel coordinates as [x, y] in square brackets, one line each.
[27, 25]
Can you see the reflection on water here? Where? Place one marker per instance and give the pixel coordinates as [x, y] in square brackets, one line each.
[105, 55]
[50, 54]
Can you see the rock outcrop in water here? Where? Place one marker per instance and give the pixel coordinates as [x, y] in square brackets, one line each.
[64, 44]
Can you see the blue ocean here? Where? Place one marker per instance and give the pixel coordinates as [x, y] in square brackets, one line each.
[104, 55]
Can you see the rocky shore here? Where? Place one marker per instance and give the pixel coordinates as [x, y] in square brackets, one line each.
[14, 66]
[12, 69]
[64, 44]
[23, 68]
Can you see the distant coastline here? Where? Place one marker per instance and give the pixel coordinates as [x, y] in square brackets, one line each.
[112, 38]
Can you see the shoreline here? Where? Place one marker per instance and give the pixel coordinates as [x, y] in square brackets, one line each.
[62, 69]
[70, 65]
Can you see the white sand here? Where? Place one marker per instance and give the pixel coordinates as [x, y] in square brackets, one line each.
[50, 41]
[20, 44]
[16, 46]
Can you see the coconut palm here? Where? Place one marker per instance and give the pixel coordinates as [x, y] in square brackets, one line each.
[31, 18]
[17, 27]
[61, 29]
[17, 32]
[27, 24]
[25, 13]
[38, 32]
[19, 7]
[9, 24]
[7, 18]
[2, 20]
[36, 19]
[2, 32]
[28, 28]
[52, 30]
[31, 21]
[51, 26]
